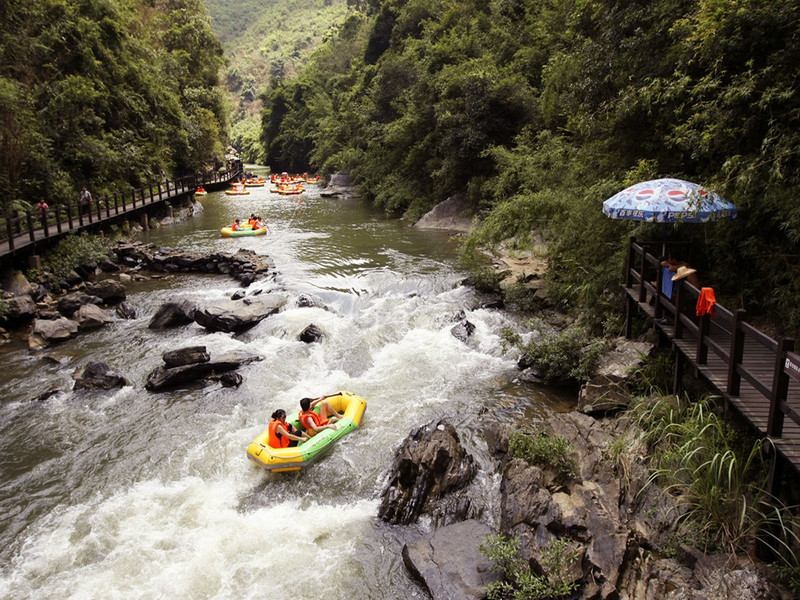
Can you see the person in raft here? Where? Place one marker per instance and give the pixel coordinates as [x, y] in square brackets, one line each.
[236, 226]
[313, 422]
[281, 433]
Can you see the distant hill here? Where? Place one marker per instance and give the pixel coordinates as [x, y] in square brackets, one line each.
[266, 40]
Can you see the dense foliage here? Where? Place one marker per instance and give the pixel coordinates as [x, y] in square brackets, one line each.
[538, 111]
[107, 93]
[265, 43]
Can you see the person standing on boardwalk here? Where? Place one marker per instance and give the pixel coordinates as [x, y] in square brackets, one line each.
[85, 201]
[41, 209]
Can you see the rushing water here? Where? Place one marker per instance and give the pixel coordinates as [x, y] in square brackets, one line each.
[130, 494]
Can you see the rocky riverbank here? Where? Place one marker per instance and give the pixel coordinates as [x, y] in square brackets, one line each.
[621, 535]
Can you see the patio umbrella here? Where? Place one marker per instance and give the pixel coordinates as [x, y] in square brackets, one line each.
[668, 201]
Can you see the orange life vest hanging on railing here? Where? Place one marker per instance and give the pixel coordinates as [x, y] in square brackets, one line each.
[705, 302]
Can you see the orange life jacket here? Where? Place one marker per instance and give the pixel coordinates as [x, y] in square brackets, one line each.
[318, 422]
[276, 440]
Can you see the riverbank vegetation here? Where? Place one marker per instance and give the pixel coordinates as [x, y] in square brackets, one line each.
[266, 41]
[718, 474]
[110, 94]
[540, 111]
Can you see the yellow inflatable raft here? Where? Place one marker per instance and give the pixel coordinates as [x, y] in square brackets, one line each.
[310, 451]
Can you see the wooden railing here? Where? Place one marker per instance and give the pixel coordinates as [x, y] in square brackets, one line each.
[727, 349]
[61, 217]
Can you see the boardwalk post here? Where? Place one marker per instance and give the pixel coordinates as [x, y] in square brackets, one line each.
[702, 347]
[31, 233]
[45, 226]
[676, 376]
[10, 233]
[642, 263]
[737, 352]
[780, 388]
[678, 309]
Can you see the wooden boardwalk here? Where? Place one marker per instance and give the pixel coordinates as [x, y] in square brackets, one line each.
[757, 375]
[23, 232]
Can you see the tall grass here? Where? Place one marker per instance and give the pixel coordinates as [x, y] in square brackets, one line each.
[718, 477]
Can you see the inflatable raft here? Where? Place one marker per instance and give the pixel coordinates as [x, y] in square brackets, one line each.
[237, 191]
[310, 451]
[245, 230]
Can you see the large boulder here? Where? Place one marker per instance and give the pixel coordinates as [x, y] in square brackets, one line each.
[109, 290]
[70, 303]
[185, 356]
[20, 308]
[15, 283]
[430, 463]
[607, 390]
[173, 314]
[197, 373]
[97, 376]
[91, 316]
[452, 213]
[239, 315]
[449, 562]
[46, 331]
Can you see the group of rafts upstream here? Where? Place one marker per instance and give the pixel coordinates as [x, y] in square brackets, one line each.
[308, 452]
[285, 185]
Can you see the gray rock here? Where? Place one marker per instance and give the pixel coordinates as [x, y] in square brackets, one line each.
[430, 463]
[91, 316]
[238, 315]
[125, 311]
[606, 390]
[109, 290]
[169, 377]
[311, 334]
[173, 314]
[452, 214]
[47, 331]
[449, 562]
[186, 356]
[463, 331]
[70, 303]
[97, 376]
[16, 283]
[20, 308]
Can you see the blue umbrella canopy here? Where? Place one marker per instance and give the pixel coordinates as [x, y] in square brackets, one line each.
[668, 201]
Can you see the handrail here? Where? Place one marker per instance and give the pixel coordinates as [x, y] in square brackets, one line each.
[68, 215]
[644, 267]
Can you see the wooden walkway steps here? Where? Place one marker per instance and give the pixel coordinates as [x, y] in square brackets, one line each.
[757, 375]
[20, 232]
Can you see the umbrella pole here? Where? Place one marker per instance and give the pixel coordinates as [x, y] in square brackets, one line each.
[664, 242]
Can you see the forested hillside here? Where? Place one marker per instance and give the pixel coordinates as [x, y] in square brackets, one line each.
[538, 111]
[107, 93]
[266, 42]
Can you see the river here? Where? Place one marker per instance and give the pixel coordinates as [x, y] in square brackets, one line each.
[135, 495]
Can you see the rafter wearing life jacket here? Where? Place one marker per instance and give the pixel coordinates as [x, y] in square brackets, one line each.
[310, 414]
[275, 439]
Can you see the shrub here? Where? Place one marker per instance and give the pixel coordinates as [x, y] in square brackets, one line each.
[487, 280]
[540, 448]
[567, 355]
[73, 251]
[519, 582]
